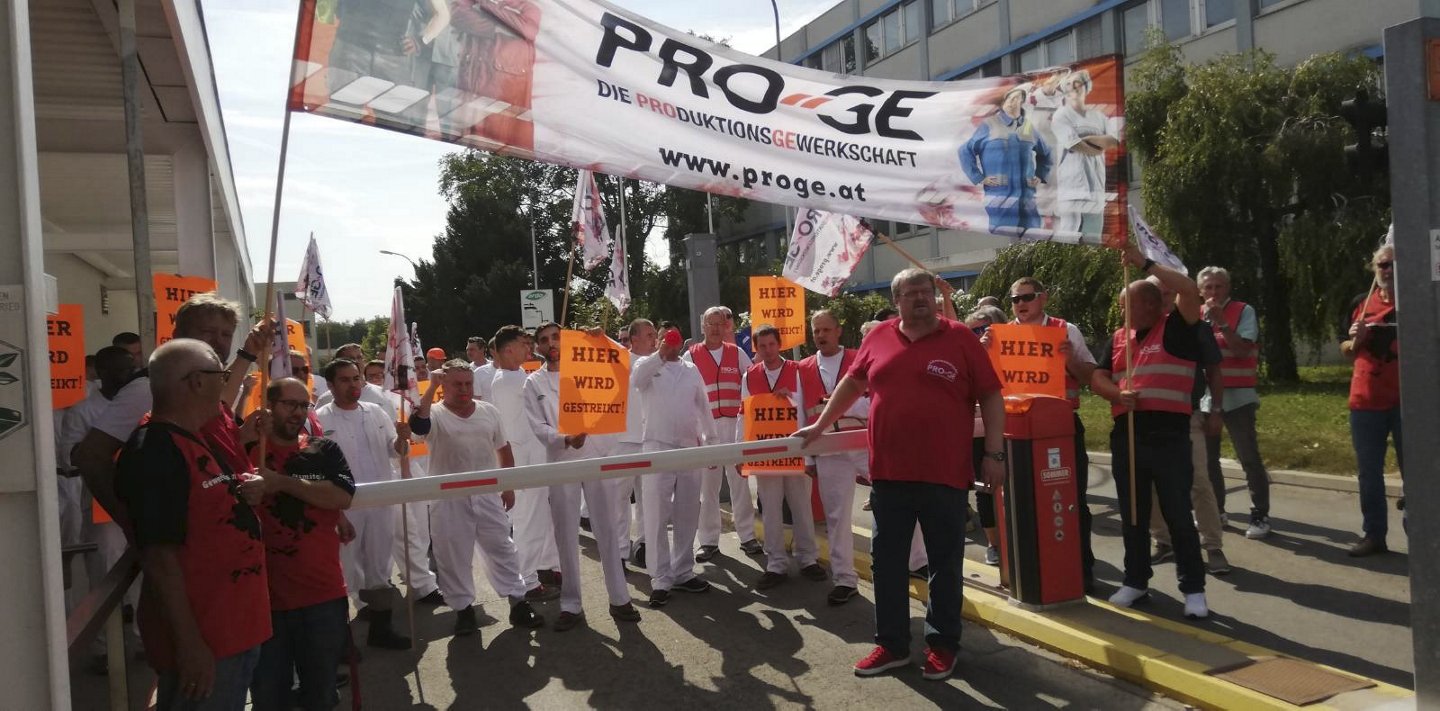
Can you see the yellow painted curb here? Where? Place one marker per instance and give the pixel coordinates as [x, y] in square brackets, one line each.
[1164, 655]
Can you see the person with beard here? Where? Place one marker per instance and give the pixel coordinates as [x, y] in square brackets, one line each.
[204, 609]
[542, 407]
[369, 439]
[307, 484]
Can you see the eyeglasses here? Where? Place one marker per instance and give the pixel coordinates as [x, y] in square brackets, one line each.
[1384, 265]
[920, 294]
[1024, 298]
[224, 374]
[301, 405]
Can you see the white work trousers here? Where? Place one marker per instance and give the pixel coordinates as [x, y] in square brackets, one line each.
[835, 476]
[742, 504]
[621, 491]
[367, 559]
[775, 491]
[458, 526]
[419, 578]
[534, 530]
[671, 499]
[565, 511]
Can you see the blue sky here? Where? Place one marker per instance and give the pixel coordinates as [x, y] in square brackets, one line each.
[362, 189]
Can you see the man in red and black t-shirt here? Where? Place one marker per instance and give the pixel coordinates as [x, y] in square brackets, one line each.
[925, 374]
[307, 483]
[204, 610]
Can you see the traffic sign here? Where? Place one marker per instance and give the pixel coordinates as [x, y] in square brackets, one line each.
[536, 307]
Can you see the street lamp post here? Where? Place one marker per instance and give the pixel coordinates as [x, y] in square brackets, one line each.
[779, 57]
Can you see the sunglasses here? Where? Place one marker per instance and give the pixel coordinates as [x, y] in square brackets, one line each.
[1024, 298]
[300, 405]
[1384, 265]
[224, 374]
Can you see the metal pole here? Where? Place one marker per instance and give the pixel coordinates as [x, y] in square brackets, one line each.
[779, 57]
[534, 255]
[1414, 190]
[710, 213]
[115, 660]
[135, 162]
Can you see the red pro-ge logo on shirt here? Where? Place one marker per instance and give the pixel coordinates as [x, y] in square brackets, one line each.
[943, 369]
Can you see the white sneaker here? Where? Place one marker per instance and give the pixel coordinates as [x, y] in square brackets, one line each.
[1259, 528]
[1127, 596]
[1195, 607]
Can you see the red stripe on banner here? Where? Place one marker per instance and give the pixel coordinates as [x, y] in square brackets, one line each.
[763, 450]
[626, 465]
[794, 99]
[467, 484]
[815, 102]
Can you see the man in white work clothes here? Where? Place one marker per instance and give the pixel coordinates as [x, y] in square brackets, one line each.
[542, 406]
[534, 531]
[677, 415]
[466, 435]
[644, 339]
[721, 365]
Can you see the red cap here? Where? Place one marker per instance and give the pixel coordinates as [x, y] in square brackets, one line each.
[435, 354]
[672, 338]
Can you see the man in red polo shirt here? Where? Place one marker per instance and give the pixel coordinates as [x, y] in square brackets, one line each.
[925, 374]
[204, 608]
[307, 482]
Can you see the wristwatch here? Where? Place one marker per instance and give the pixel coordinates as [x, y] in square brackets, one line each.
[247, 355]
[997, 456]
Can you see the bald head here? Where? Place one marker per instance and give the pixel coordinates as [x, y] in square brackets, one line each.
[1147, 304]
[185, 374]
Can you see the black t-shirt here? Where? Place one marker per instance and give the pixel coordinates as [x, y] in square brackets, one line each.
[1182, 340]
[301, 545]
[152, 477]
[1210, 357]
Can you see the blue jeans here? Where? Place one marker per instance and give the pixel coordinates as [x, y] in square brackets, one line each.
[940, 510]
[1369, 432]
[232, 679]
[308, 642]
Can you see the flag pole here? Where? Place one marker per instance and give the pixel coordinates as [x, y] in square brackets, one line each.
[405, 536]
[1130, 377]
[569, 271]
[901, 250]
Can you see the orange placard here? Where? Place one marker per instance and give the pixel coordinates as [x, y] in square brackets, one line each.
[770, 416]
[171, 291]
[594, 384]
[779, 302]
[531, 366]
[1028, 359]
[67, 355]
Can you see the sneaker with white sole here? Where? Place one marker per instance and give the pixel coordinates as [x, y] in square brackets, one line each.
[1195, 607]
[992, 555]
[1163, 554]
[878, 662]
[1127, 596]
[1259, 528]
[1216, 563]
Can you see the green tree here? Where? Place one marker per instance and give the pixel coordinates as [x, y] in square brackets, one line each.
[377, 337]
[1083, 282]
[1244, 167]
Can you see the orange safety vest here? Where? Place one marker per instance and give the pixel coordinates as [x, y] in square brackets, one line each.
[722, 380]
[1072, 386]
[1235, 371]
[1164, 382]
[812, 387]
[1375, 382]
[758, 381]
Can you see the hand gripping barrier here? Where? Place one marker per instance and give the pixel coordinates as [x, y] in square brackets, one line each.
[447, 486]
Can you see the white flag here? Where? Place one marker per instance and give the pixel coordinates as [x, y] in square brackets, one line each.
[310, 287]
[280, 342]
[1152, 246]
[399, 359]
[617, 287]
[587, 219]
[824, 249]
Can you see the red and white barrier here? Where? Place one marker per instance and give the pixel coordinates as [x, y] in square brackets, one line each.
[495, 480]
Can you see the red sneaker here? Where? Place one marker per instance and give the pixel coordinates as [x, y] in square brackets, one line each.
[879, 662]
[939, 663]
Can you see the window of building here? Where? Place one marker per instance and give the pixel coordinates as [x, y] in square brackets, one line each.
[1267, 3]
[814, 61]
[1217, 11]
[903, 228]
[894, 30]
[990, 68]
[1060, 50]
[1136, 20]
[1031, 58]
[1089, 41]
[838, 56]
[943, 12]
[1175, 18]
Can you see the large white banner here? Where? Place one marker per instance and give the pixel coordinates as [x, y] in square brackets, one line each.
[585, 84]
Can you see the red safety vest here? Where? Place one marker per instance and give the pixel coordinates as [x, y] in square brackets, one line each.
[1375, 382]
[758, 381]
[1237, 372]
[812, 387]
[1072, 386]
[722, 380]
[1163, 381]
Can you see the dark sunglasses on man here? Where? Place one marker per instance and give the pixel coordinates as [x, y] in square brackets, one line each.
[1024, 298]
